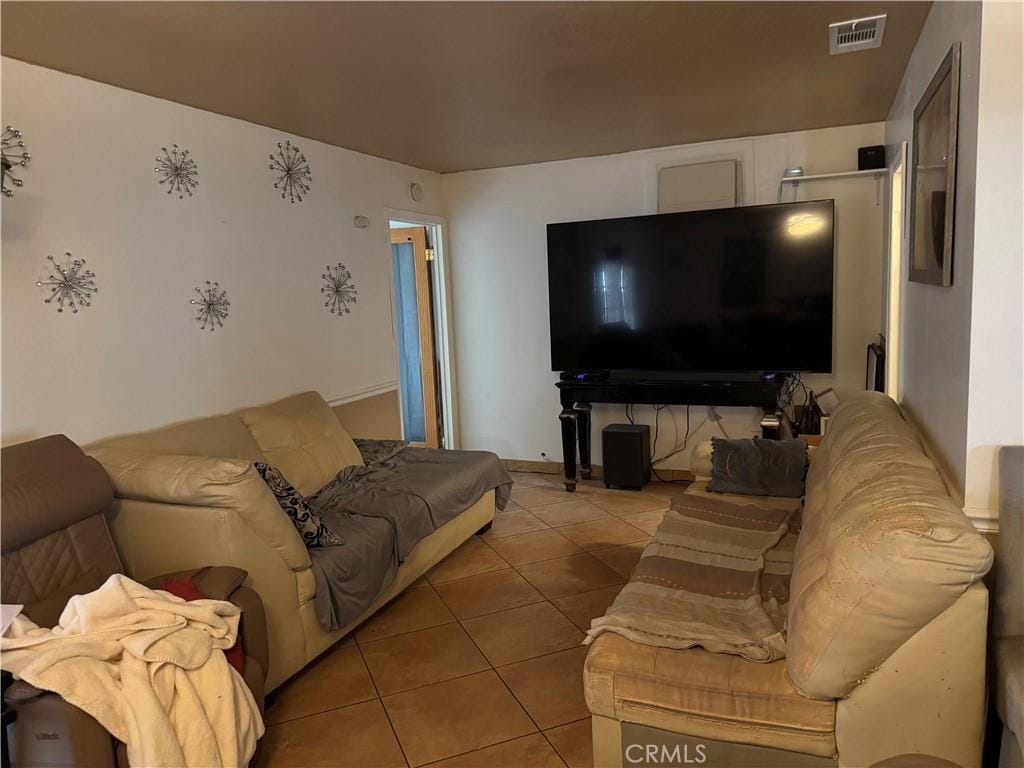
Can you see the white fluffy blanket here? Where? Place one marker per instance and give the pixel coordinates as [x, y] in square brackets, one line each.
[150, 668]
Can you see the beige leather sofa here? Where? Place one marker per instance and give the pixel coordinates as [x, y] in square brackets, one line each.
[187, 495]
[885, 637]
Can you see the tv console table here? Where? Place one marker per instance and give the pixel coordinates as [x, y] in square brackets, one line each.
[577, 396]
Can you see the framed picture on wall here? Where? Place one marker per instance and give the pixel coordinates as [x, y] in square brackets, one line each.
[933, 186]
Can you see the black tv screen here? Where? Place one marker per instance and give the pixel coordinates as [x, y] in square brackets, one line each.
[728, 290]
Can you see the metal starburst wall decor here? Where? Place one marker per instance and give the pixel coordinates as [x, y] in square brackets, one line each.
[70, 284]
[211, 305]
[338, 289]
[293, 172]
[12, 154]
[178, 171]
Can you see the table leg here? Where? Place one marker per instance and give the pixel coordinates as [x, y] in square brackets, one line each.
[568, 419]
[583, 433]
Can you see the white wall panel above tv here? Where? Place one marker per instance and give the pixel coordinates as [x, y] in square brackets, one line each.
[697, 186]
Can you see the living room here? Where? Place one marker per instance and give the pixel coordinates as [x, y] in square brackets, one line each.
[266, 260]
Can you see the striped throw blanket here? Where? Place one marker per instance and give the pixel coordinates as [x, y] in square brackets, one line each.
[715, 575]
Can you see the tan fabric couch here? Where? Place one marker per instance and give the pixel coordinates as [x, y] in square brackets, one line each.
[187, 495]
[885, 638]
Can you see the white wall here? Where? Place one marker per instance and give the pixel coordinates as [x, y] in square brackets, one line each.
[136, 358]
[937, 320]
[963, 361]
[996, 408]
[508, 402]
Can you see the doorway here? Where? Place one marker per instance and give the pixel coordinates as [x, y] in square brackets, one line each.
[414, 292]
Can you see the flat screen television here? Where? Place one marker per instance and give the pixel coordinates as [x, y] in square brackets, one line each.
[731, 290]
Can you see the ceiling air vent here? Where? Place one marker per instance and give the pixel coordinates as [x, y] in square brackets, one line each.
[855, 35]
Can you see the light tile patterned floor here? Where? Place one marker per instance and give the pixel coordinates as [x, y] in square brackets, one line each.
[479, 665]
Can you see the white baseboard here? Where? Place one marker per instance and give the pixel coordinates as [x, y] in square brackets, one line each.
[985, 520]
[365, 392]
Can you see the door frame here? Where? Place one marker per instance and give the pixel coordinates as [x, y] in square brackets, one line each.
[417, 237]
[894, 290]
[437, 227]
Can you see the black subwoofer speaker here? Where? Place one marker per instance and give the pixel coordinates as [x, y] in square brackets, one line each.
[627, 455]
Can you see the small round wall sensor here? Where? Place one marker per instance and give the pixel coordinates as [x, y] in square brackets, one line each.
[415, 192]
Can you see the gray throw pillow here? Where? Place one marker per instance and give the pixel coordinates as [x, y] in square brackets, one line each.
[314, 533]
[758, 467]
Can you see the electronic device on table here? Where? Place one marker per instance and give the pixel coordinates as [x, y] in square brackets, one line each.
[712, 307]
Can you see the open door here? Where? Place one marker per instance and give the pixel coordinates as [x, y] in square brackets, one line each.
[414, 327]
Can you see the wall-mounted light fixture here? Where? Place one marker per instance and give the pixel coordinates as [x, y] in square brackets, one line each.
[12, 154]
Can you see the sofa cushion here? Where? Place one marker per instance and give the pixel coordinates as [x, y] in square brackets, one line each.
[700, 488]
[710, 695]
[201, 481]
[714, 575]
[223, 437]
[302, 437]
[198, 481]
[883, 549]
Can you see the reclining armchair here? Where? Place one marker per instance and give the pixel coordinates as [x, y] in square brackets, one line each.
[56, 544]
[1008, 626]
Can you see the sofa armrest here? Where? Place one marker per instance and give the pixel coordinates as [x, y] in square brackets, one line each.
[154, 538]
[254, 627]
[230, 485]
[217, 582]
[224, 582]
[928, 697]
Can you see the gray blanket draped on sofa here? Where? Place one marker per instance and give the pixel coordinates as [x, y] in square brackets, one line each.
[383, 510]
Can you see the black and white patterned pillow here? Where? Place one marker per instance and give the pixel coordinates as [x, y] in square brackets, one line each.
[312, 529]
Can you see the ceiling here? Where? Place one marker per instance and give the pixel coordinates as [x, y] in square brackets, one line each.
[452, 86]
